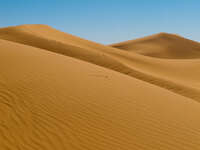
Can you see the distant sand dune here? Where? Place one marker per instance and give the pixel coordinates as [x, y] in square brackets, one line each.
[50, 101]
[180, 76]
[162, 45]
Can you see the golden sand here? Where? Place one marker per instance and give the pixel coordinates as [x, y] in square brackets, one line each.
[60, 92]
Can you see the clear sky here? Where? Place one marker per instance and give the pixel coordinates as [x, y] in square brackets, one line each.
[107, 21]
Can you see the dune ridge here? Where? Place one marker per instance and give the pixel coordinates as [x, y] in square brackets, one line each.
[50, 101]
[148, 69]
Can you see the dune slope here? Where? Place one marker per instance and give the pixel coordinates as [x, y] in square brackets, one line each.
[162, 45]
[178, 75]
[45, 104]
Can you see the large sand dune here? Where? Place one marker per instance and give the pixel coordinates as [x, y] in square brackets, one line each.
[178, 75]
[58, 91]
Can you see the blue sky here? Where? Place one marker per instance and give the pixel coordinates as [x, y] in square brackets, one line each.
[107, 21]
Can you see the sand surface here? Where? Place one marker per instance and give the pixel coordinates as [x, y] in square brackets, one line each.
[58, 91]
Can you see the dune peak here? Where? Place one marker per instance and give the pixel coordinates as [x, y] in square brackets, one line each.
[26, 26]
[166, 35]
[33, 25]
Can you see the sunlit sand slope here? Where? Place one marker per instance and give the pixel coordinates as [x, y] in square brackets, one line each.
[50, 101]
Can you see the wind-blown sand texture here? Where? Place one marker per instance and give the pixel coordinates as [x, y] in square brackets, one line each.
[60, 92]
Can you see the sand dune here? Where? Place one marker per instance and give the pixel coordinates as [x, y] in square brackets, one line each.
[50, 101]
[162, 45]
[178, 75]
[58, 91]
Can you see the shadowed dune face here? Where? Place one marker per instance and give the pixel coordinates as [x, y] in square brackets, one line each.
[58, 91]
[50, 101]
[162, 45]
